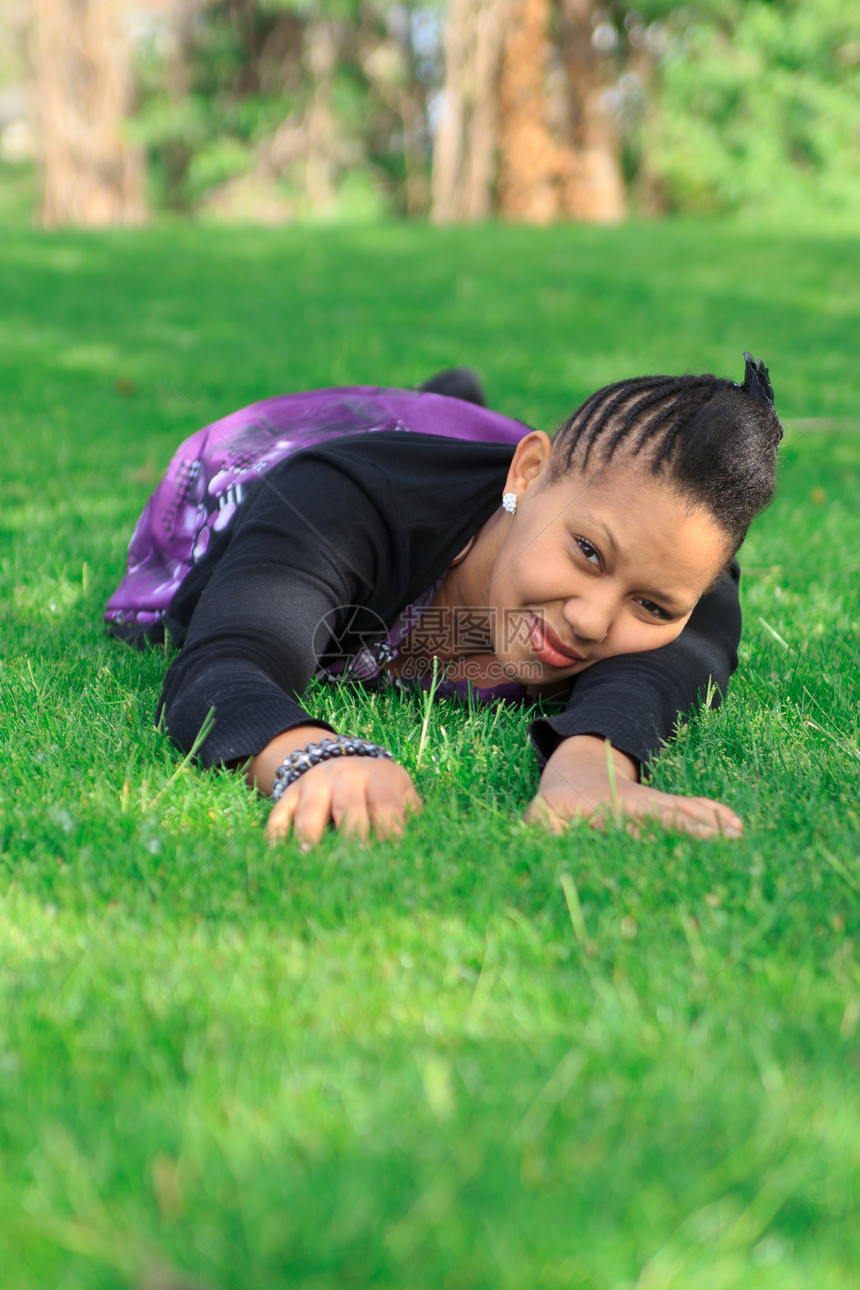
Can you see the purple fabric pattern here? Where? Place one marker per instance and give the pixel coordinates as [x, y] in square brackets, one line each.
[210, 472]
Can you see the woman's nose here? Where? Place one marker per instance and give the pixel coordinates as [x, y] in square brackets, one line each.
[588, 619]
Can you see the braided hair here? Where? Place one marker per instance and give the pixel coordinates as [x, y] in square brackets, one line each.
[714, 441]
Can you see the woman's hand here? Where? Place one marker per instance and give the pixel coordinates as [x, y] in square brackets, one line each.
[355, 794]
[576, 784]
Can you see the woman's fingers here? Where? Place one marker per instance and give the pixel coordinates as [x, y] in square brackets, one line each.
[540, 812]
[389, 822]
[354, 794]
[280, 820]
[391, 798]
[389, 813]
[349, 812]
[724, 817]
[703, 817]
[313, 811]
[698, 816]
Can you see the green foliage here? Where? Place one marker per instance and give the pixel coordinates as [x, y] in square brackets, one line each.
[723, 106]
[197, 118]
[409, 1065]
[755, 108]
[219, 95]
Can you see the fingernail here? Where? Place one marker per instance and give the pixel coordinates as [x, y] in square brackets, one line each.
[305, 846]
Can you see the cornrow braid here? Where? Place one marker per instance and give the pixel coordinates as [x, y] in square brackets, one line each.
[713, 440]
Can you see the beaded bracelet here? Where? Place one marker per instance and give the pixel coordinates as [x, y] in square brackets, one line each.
[341, 746]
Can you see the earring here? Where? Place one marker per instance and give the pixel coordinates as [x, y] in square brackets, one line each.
[509, 501]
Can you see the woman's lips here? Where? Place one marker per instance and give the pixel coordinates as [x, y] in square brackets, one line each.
[547, 647]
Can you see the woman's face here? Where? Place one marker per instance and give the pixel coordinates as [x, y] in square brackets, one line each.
[596, 564]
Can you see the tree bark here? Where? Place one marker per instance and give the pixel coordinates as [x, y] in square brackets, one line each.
[466, 142]
[530, 160]
[556, 164]
[593, 188]
[91, 175]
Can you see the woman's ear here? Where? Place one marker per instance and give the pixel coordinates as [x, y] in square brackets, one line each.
[529, 462]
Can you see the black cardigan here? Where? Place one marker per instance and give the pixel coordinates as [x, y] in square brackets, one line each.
[346, 534]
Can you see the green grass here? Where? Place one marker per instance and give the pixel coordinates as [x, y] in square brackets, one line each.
[407, 1065]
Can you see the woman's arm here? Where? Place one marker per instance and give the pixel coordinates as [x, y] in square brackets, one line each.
[305, 555]
[635, 701]
[307, 549]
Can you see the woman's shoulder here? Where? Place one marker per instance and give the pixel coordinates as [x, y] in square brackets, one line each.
[400, 464]
[420, 494]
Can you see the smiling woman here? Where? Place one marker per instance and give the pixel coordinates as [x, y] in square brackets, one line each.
[610, 561]
[361, 534]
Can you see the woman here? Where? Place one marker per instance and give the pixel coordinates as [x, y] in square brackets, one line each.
[365, 532]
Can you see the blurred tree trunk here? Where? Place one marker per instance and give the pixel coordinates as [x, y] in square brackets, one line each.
[91, 175]
[594, 185]
[464, 155]
[558, 147]
[530, 161]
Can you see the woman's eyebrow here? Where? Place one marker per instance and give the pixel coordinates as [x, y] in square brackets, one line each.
[593, 522]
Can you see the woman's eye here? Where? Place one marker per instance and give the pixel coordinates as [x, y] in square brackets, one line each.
[654, 610]
[591, 553]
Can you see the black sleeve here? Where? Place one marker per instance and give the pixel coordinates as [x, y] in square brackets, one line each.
[309, 544]
[635, 700]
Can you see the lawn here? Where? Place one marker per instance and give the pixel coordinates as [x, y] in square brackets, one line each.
[480, 1057]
